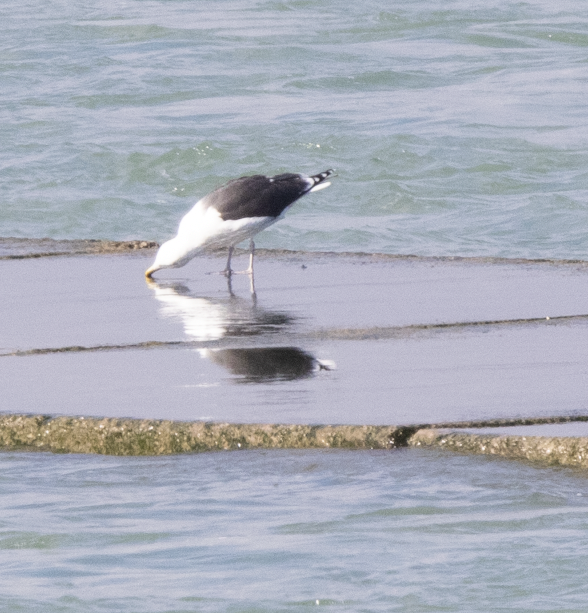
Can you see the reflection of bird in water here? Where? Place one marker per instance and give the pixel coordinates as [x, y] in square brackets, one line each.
[263, 364]
[232, 213]
[205, 319]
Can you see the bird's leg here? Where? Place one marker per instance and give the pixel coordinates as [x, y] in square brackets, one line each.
[252, 287]
[230, 285]
[227, 271]
[251, 252]
[249, 271]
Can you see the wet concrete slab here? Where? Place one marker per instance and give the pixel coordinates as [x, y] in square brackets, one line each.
[571, 429]
[104, 300]
[327, 339]
[451, 377]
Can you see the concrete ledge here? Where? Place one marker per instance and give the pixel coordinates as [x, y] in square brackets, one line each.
[23, 248]
[551, 451]
[159, 437]
[145, 437]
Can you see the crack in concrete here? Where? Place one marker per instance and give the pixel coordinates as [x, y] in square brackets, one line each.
[341, 334]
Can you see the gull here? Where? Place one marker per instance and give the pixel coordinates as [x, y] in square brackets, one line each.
[233, 213]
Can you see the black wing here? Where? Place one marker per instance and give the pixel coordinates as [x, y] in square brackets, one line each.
[260, 196]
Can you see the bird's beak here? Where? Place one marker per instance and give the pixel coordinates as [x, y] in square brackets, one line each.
[149, 272]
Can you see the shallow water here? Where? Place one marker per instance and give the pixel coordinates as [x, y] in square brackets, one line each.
[456, 127]
[409, 340]
[285, 531]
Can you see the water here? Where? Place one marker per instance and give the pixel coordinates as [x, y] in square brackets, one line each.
[287, 531]
[456, 128]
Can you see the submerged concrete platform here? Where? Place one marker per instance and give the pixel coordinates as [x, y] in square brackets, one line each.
[143, 437]
[326, 339]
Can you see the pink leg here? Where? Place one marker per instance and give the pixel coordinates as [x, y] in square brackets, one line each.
[249, 271]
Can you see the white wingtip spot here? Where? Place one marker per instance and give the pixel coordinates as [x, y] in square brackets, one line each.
[326, 365]
[316, 188]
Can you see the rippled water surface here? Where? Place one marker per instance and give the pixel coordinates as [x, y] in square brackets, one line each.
[455, 127]
[287, 531]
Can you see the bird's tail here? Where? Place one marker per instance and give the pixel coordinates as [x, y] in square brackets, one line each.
[320, 180]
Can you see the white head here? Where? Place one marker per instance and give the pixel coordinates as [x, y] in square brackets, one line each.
[172, 254]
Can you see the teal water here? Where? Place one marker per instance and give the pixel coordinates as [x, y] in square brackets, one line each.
[457, 128]
[290, 531]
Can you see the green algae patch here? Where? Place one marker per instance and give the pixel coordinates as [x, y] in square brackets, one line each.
[134, 437]
[146, 437]
[550, 451]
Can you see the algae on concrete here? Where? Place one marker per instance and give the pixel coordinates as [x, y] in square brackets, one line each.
[160, 437]
[551, 451]
[126, 437]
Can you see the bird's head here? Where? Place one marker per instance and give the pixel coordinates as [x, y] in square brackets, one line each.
[170, 255]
